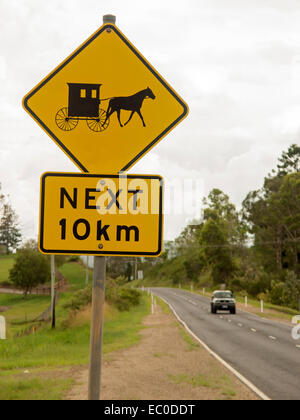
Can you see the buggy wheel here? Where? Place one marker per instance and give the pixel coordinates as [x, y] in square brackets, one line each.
[98, 124]
[64, 122]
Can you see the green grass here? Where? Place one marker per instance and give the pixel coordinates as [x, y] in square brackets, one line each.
[6, 263]
[70, 346]
[196, 381]
[191, 342]
[75, 274]
[22, 311]
[66, 346]
[166, 309]
[217, 383]
[282, 311]
[16, 389]
[47, 350]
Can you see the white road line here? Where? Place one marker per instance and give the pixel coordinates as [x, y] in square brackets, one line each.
[272, 338]
[298, 347]
[253, 330]
[229, 320]
[216, 356]
[240, 325]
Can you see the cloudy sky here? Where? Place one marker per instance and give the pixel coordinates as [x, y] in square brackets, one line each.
[235, 62]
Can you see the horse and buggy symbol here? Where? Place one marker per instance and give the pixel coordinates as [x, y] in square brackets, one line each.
[84, 105]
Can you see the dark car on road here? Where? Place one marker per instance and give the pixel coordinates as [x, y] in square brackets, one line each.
[223, 301]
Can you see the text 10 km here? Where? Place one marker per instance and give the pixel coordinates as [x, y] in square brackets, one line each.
[81, 230]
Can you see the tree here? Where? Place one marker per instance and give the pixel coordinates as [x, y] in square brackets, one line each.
[216, 250]
[289, 207]
[272, 215]
[10, 234]
[289, 161]
[30, 270]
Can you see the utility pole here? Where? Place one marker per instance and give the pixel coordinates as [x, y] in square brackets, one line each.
[52, 291]
[98, 298]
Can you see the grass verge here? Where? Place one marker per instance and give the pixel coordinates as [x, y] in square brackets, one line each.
[68, 345]
[16, 389]
[222, 383]
[6, 263]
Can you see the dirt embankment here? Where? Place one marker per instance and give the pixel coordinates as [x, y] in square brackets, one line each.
[166, 364]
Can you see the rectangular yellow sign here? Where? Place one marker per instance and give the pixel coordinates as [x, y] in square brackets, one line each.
[84, 214]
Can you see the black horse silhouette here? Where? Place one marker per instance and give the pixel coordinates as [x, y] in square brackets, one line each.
[129, 103]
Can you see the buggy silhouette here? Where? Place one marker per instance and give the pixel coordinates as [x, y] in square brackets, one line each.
[84, 105]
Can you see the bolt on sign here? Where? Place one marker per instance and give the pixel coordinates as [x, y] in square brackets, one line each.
[101, 214]
[105, 106]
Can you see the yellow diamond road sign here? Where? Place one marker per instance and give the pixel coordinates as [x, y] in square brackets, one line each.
[89, 214]
[105, 105]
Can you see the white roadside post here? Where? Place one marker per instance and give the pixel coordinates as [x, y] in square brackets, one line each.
[262, 306]
[2, 328]
[203, 291]
[246, 301]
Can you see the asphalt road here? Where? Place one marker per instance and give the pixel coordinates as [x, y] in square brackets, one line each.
[263, 351]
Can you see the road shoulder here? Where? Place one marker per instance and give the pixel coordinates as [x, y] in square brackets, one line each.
[166, 364]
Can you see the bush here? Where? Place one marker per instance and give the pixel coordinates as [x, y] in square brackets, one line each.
[30, 270]
[122, 297]
[79, 300]
[205, 279]
[286, 292]
[235, 285]
[127, 299]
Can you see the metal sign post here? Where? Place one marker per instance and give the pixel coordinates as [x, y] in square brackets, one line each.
[98, 298]
[97, 328]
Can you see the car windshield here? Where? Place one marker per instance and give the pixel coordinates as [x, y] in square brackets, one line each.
[223, 295]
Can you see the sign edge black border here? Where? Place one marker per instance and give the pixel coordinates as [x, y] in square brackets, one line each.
[78, 51]
[100, 253]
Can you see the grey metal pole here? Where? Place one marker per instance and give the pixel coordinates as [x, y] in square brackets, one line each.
[97, 311]
[53, 291]
[97, 328]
